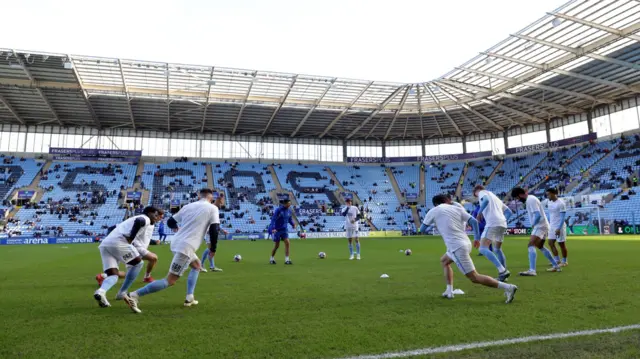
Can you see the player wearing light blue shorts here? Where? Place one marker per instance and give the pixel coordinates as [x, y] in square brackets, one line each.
[539, 232]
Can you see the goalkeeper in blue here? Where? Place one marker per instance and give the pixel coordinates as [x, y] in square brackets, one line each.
[280, 232]
[451, 220]
[496, 214]
[539, 231]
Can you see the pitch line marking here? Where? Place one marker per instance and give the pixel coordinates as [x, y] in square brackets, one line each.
[477, 345]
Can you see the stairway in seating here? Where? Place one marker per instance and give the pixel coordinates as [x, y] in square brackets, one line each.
[494, 172]
[394, 184]
[416, 217]
[209, 172]
[463, 175]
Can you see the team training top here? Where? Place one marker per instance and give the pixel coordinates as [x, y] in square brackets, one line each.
[134, 227]
[143, 239]
[494, 212]
[281, 217]
[533, 206]
[350, 214]
[556, 208]
[194, 221]
[451, 223]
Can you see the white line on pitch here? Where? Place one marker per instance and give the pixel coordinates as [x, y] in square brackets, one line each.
[477, 345]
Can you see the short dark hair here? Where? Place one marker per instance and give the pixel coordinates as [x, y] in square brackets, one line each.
[348, 200]
[151, 209]
[516, 192]
[439, 199]
[552, 190]
[478, 187]
[206, 191]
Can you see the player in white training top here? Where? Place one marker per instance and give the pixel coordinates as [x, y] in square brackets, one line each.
[450, 221]
[495, 214]
[141, 243]
[351, 215]
[539, 231]
[558, 231]
[117, 248]
[190, 225]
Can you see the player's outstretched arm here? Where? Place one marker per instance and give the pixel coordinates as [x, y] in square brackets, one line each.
[424, 228]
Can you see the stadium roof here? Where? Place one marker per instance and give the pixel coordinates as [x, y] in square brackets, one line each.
[581, 55]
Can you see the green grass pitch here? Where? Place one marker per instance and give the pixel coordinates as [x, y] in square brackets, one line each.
[320, 308]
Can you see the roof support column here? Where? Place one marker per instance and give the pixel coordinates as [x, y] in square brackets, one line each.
[423, 142]
[464, 144]
[344, 151]
[590, 120]
[506, 141]
[384, 149]
[547, 129]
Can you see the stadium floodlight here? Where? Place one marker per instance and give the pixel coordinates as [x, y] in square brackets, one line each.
[15, 65]
[556, 22]
[68, 64]
[211, 82]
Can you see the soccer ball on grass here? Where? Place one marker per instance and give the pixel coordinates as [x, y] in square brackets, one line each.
[322, 255]
[237, 258]
[407, 252]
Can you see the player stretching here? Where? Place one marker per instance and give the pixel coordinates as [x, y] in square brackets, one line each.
[194, 220]
[450, 221]
[557, 214]
[496, 215]
[539, 231]
[278, 227]
[352, 215]
[210, 255]
[141, 243]
[117, 248]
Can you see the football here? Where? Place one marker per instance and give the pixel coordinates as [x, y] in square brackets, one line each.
[407, 252]
[237, 258]
[322, 255]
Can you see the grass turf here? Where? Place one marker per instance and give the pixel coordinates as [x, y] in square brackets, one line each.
[316, 308]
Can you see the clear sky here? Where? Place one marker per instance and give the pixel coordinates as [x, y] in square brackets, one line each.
[385, 40]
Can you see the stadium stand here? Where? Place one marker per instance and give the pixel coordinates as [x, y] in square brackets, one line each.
[442, 178]
[79, 199]
[249, 203]
[177, 181]
[478, 173]
[16, 173]
[373, 187]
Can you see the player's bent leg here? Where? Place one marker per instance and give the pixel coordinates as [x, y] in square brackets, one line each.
[445, 261]
[533, 256]
[108, 282]
[351, 254]
[554, 250]
[152, 260]
[276, 245]
[563, 249]
[548, 255]
[509, 289]
[192, 280]
[133, 270]
[497, 250]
